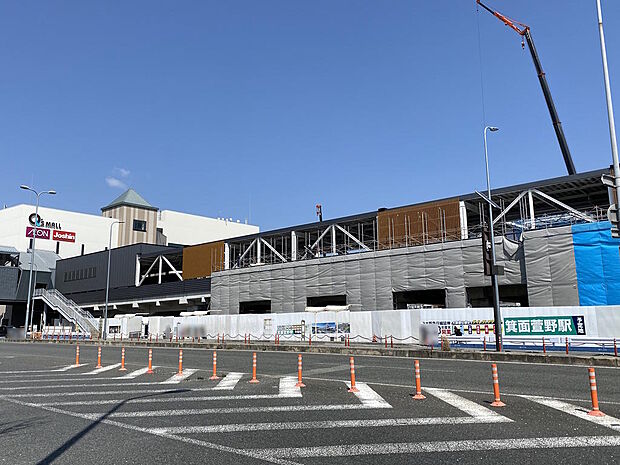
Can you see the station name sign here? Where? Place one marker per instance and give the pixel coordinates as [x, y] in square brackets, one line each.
[573, 325]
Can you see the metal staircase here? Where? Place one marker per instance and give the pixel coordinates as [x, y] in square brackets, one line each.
[70, 310]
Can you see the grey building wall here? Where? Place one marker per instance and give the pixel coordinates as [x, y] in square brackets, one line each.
[146, 291]
[123, 268]
[367, 279]
[9, 278]
[551, 270]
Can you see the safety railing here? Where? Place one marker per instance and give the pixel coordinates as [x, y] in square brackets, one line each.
[68, 309]
[484, 343]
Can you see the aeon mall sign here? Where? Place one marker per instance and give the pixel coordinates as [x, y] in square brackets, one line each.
[48, 229]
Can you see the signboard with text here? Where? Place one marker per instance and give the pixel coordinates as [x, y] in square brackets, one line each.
[545, 326]
[42, 233]
[64, 236]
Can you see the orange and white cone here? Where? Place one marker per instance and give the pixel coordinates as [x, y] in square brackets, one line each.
[122, 368]
[497, 401]
[180, 362]
[299, 384]
[214, 376]
[418, 384]
[98, 357]
[254, 379]
[595, 412]
[352, 366]
[77, 355]
[150, 365]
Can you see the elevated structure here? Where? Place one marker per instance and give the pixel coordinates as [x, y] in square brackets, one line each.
[420, 255]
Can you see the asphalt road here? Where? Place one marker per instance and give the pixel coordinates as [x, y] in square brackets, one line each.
[52, 412]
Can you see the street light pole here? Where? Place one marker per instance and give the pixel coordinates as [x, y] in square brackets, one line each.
[34, 238]
[107, 283]
[497, 311]
[610, 108]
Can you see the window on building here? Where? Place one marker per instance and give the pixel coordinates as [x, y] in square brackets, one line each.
[324, 300]
[139, 225]
[510, 295]
[255, 306]
[423, 298]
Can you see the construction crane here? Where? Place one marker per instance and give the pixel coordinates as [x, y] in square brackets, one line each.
[526, 37]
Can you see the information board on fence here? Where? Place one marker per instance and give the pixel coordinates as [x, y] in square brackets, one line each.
[545, 326]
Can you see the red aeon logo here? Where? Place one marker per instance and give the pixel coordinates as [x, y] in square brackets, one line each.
[42, 233]
[64, 236]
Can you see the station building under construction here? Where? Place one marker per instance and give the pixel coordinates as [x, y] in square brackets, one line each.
[552, 239]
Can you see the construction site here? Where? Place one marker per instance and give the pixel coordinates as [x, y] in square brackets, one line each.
[544, 247]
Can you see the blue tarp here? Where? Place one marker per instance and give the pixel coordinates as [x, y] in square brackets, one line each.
[597, 261]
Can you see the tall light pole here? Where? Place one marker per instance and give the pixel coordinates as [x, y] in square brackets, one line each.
[34, 238]
[497, 312]
[610, 108]
[107, 283]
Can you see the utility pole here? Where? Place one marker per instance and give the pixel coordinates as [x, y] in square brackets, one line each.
[107, 283]
[613, 209]
[34, 238]
[497, 311]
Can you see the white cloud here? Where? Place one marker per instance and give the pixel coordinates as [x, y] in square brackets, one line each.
[115, 183]
[123, 172]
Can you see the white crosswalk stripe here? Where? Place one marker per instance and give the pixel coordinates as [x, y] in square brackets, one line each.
[176, 379]
[70, 367]
[229, 382]
[136, 373]
[440, 446]
[579, 412]
[368, 397]
[96, 371]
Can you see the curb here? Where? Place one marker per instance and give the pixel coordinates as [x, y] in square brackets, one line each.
[525, 357]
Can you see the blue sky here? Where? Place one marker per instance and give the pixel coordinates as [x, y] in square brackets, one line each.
[262, 109]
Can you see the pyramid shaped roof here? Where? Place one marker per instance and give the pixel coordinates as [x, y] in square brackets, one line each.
[129, 198]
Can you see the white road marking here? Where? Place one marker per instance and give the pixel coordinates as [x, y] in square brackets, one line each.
[288, 388]
[285, 392]
[96, 371]
[464, 405]
[167, 399]
[135, 374]
[51, 387]
[229, 382]
[237, 410]
[69, 367]
[440, 446]
[296, 425]
[368, 397]
[197, 442]
[579, 412]
[28, 372]
[103, 393]
[176, 379]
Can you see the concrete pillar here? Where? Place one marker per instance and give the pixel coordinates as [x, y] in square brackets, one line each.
[226, 256]
[530, 199]
[293, 245]
[463, 217]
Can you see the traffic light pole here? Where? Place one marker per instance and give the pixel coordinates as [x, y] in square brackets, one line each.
[497, 311]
